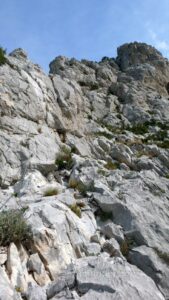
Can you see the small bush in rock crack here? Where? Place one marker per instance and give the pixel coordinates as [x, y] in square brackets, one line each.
[76, 209]
[64, 159]
[2, 56]
[13, 227]
[51, 192]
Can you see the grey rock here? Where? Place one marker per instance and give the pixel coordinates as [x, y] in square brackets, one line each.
[35, 264]
[112, 247]
[65, 280]
[113, 276]
[92, 249]
[153, 263]
[96, 111]
[122, 153]
[112, 230]
[19, 53]
[36, 293]
[136, 53]
[7, 292]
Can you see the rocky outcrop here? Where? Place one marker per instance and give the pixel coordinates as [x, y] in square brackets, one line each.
[84, 153]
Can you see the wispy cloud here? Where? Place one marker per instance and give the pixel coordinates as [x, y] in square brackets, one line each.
[159, 43]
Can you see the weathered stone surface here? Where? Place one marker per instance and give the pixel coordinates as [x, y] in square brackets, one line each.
[36, 266]
[7, 292]
[36, 293]
[154, 263]
[108, 123]
[111, 230]
[18, 274]
[92, 249]
[115, 276]
[112, 247]
[101, 277]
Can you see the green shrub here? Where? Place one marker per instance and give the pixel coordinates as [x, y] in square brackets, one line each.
[76, 209]
[106, 216]
[124, 248]
[2, 56]
[102, 172]
[127, 245]
[164, 144]
[13, 227]
[139, 128]
[111, 165]
[51, 192]
[104, 133]
[163, 255]
[83, 189]
[64, 159]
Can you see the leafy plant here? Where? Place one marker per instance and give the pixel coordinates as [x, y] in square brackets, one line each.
[2, 56]
[51, 192]
[13, 227]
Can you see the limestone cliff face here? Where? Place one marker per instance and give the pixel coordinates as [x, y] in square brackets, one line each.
[98, 133]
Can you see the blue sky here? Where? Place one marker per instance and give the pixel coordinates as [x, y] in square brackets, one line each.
[87, 29]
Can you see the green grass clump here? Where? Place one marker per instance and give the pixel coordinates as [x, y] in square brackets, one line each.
[81, 187]
[163, 255]
[76, 209]
[164, 144]
[51, 192]
[111, 165]
[104, 133]
[2, 56]
[139, 128]
[102, 172]
[124, 248]
[13, 227]
[64, 159]
[127, 245]
[167, 176]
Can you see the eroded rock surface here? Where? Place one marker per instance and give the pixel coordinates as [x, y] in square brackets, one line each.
[84, 152]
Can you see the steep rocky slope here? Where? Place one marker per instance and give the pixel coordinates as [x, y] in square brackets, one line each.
[85, 153]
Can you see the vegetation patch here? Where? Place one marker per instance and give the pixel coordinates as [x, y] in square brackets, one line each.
[83, 189]
[64, 159]
[13, 227]
[51, 192]
[143, 128]
[104, 216]
[104, 133]
[138, 128]
[102, 172]
[76, 209]
[127, 245]
[2, 56]
[163, 255]
[111, 165]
